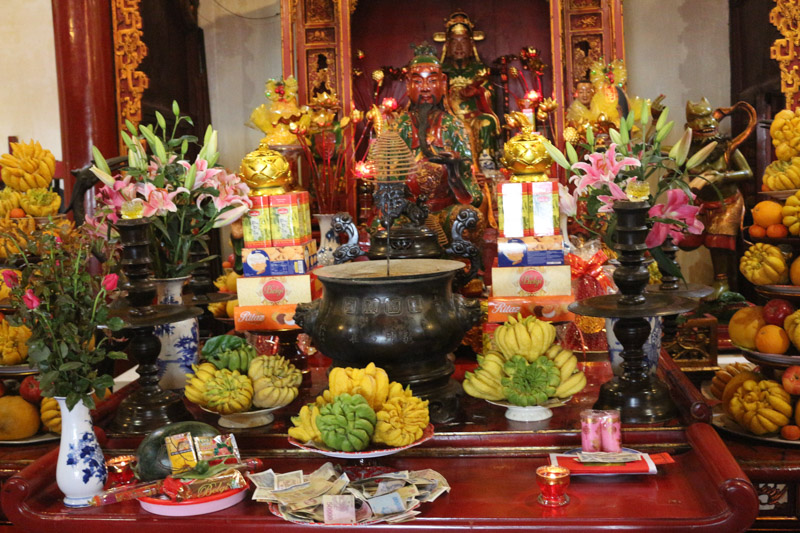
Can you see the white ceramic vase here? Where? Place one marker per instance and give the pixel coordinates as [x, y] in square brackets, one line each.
[652, 347]
[179, 340]
[81, 469]
[328, 241]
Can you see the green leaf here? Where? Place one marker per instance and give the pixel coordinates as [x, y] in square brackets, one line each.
[72, 365]
[556, 154]
[103, 382]
[590, 137]
[665, 263]
[116, 355]
[115, 323]
[100, 161]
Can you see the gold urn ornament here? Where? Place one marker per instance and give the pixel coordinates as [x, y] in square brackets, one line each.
[266, 172]
[524, 154]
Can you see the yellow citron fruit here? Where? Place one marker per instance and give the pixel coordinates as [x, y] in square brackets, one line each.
[744, 326]
[18, 418]
[230, 306]
[794, 272]
[230, 281]
[767, 213]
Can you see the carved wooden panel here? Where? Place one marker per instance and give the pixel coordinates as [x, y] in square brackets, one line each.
[321, 72]
[318, 11]
[786, 17]
[129, 51]
[582, 4]
[586, 21]
[320, 35]
[586, 49]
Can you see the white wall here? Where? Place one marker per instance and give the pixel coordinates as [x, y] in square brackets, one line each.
[243, 51]
[28, 83]
[679, 48]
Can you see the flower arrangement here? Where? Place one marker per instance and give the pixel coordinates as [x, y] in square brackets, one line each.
[621, 172]
[63, 299]
[184, 200]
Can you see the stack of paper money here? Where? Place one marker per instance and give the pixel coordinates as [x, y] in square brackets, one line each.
[330, 497]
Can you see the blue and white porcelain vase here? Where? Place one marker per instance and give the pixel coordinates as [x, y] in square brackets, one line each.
[81, 469]
[652, 348]
[179, 340]
[328, 240]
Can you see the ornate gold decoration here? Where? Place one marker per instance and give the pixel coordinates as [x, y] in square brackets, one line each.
[786, 17]
[266, 172]
[129, 51]
[319, 11]
[586, 49]
[582, 4]
[695, 344]
[589, 21]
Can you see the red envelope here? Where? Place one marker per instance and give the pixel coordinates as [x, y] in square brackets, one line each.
[645, 465]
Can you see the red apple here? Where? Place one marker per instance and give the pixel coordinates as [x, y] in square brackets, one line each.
[776, 311]
[791, 380]
[29, 390]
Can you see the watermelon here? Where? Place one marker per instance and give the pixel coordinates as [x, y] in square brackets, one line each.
[152, 461]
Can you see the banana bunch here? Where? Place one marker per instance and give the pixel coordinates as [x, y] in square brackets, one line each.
[218, 309]
[485, 381]
[275, 381]
[528, 337]
[13, 343]
[28, 166]
[371, 382]
[196, 383]
[9, 199]
[761, 407]
[572, 380]
[228, 392]
[785, 133]
[305, 425]
[782, 175]
[234, 359]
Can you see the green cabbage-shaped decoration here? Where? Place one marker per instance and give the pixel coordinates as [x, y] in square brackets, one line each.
[347, 424]
[530, 383]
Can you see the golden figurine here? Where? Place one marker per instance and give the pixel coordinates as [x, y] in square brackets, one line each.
[579, 112]
[524, 154]
[725, 168]
[282, 120]
[266, 172]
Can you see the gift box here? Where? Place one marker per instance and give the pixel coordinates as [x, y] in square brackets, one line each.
[548, 308]
[290, 218]
[264, 317]
[532, 281]
[278, 290]
[279, 261]
[513, 209]
[256, 224]
[544, 210]
[530, 251]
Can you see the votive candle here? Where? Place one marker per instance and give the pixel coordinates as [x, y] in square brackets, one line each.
[553, 482]
[591, 429]
[611, 432]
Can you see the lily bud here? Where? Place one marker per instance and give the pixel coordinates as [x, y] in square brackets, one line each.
[701, 155]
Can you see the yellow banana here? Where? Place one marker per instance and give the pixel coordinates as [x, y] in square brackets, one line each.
[561, 358]
[575, 383]
[523, 339]
[569, 367]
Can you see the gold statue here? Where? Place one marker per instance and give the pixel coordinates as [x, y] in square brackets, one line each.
[579, 112]
[720, 174]
[281, 121]
[524, 154]
[469, 90]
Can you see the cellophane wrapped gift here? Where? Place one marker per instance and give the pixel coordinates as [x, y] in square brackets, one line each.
[591, 276]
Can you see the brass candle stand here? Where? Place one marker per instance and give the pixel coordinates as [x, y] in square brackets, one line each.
[148, 407]
[641, 398]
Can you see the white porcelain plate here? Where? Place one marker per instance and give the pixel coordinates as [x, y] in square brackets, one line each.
[247, 419]
[531, 413]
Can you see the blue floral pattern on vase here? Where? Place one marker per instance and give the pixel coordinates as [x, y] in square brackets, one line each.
[86, 455]
[179, 340]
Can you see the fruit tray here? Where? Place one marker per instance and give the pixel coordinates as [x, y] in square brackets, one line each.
[366, 454]
[771, 360]
[723, 422]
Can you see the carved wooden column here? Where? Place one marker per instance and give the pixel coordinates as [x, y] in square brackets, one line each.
[786, 17]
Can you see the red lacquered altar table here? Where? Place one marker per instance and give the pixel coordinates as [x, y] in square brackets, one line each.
[490, 464]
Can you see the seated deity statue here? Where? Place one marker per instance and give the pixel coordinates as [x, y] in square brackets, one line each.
[469, 90]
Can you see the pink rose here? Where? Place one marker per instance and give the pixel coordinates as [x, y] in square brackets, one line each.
[110, 282]
[30, 299]
[10, 278]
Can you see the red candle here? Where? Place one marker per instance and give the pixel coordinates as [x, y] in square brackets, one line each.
[553, 482]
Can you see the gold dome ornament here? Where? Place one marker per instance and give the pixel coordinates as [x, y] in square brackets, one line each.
[266, 172]
[524, 154]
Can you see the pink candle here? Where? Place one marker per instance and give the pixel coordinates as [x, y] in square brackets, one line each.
[611, 432]
[591, 429]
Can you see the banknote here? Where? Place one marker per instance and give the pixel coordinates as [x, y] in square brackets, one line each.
[289, 479]
[387, 504]
[339, 509]
[608, 457]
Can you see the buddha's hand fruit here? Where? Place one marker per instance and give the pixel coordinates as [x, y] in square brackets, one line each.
[28, 166]
[275, 381]
[40, 202]
[228, 392]
[723, 376]
[305, 425]
[530, 383]
[371, 382]
[761, 406]
[764, 264]
[347, 424]
[9, 199]
[13, 343]
[402, 421]
[528, 337]
[785, 133]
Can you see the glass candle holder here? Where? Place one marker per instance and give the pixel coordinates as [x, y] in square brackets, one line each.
[120, 470]
[553, 482]
[611, 433]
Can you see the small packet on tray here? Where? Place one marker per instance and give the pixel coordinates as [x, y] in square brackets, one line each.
[187, 489]
[181, 453]
[217, 447]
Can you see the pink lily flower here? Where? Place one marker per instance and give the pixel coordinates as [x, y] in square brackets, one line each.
[602, 167]
[30, 299]
[676, 208]
[567, 203]
[616, 194]
[159, 201]
[230, 216]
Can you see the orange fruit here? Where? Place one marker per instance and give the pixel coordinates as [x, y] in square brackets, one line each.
[790, 432]
[226, 264]
[764, 187]
[772, 339]
[757, 232]
[776, 231]
[794, 271]
[17, 213]
[767, 213]
[744, 325]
